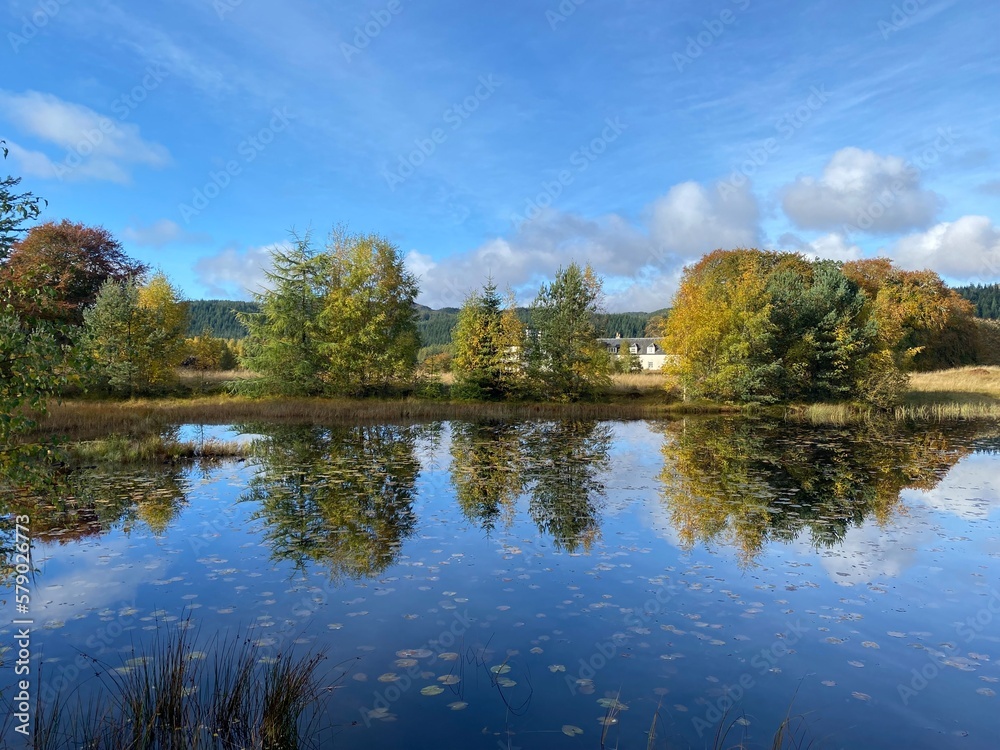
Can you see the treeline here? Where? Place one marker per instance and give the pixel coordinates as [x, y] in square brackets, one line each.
[435, 327]
[986, 298]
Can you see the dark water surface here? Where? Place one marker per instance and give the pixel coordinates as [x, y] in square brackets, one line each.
[524, 585]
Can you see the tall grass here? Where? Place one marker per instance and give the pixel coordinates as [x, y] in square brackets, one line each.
[171, 697]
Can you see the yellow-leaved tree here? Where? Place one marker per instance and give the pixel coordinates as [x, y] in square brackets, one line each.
[134, 334]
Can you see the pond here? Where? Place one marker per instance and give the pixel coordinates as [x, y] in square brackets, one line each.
[557, 584]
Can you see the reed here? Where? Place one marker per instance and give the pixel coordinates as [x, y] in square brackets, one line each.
[152, 448]
[170, 697]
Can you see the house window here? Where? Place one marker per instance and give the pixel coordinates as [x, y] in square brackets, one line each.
[651, 349]
[633, 348]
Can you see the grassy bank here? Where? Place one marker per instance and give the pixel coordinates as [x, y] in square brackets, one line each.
[965, 393]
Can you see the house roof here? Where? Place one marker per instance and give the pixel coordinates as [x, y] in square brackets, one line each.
[642, 343]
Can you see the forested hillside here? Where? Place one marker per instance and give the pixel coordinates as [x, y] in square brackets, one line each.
[220, 316]
[435, 326]
[986, 298]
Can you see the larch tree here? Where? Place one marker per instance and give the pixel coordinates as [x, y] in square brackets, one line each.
[134, 334]
[489, 340]
[565, 360]
[370, 329]
[284, 339]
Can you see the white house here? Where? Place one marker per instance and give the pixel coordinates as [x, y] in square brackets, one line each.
[650, 354]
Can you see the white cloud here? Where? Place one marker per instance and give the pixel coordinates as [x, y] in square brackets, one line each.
[864, 191]
[94, 147]
[967, 249]
[831, 246]
[691, 220]
[640, 263]
[159, 233]
[970, 490]
[233, 273]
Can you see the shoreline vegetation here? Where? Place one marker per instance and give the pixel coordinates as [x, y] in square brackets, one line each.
[136, 430]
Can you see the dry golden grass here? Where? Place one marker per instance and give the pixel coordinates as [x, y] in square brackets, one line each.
[641, 381]
[981, 382]
[81, 420]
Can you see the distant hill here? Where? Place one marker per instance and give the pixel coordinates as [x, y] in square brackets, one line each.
[985, 298]
[220, 316]
[435, 326]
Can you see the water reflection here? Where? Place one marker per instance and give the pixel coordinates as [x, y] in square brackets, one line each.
[558, 464]
[89, 502]
[341, 496]
[744, 483]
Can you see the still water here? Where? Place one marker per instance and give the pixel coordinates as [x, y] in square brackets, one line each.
[558, 584]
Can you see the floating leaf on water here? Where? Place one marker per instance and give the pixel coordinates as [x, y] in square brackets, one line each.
[870, 644]
[861, 696]
[388, 677]
[612, 703]
[405, 663]
[500, 668]
[414, 653]
[457, 705]
[829, 683]
[989, 693]
[432, 690]
[743, 721]
[557, 668]
[536, 650]
[448, 656]
[506, 682]
[856, 663]
[449, 679]
[360, 677]
[571, 731]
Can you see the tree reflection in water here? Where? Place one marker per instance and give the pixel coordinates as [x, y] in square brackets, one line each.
[338, 496]
[745, 482]
[558, 465]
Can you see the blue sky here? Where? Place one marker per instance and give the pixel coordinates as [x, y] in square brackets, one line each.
[513, 138]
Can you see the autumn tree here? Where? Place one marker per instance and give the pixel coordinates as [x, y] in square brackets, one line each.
[565, 360]
[749, 325]
[333, 321]
[921, 321]
[72, 261]
[488, 340]
[371, 337]
[134, 334]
